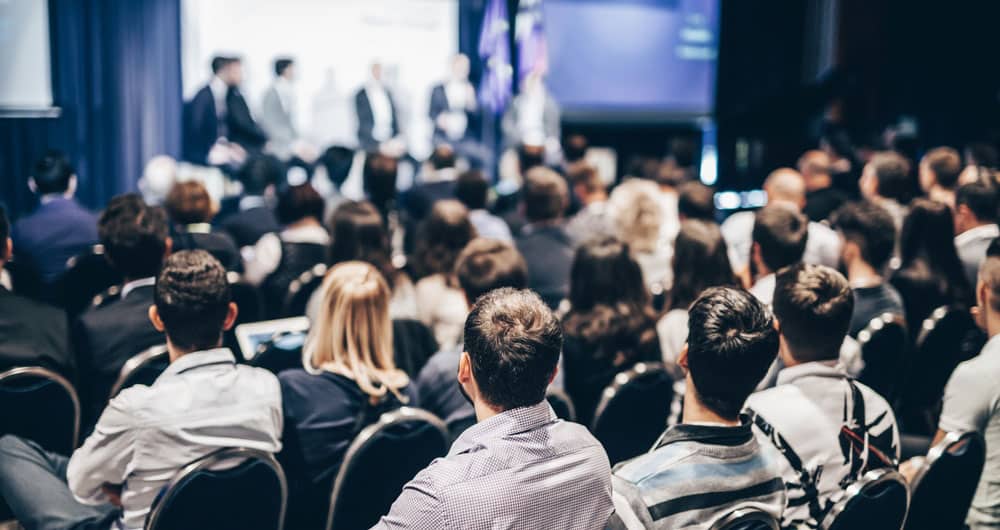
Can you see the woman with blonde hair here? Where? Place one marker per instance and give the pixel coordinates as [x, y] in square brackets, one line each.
[638, 218]
[349, 378]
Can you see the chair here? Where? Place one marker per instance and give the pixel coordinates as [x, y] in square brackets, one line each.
[250, 495]
[884, 349]
[561, 404]
[88, 275]
[301, 289]
[747, 519]
[247, 298]
[142, 369]
[40, 405]
[880, 500]
[282, 352]
[945, 483]
[633, 411]
[379, 462]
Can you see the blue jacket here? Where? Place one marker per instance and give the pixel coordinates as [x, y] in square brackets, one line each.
[58, 230]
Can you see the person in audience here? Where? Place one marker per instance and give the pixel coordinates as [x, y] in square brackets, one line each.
[700, 261]
[610, 325]
[379, 176]
[981, 163]
[885, 180]
[975, 223]
[148, 433]
[136, 241]
[437, 184]
[255, 217]
[347, 381]
[519, 464]
[696, 201]
[533, 116]
[939, 171]
[930, 274]
[279, 258]
[822, 198]
[711, 463]
[191, 210]
[669, 178]
[277, 111]
[440, 303]
[544, 243]
[34, 334]
[332, 171]
[375, 109]
[783, 186]
[158, 178]
[593, 220]
[815, 397]
[637, 220]
[473, 191]
[780, 236]
[868, 236]
[60, 228]
[483, 265]
[453, 106]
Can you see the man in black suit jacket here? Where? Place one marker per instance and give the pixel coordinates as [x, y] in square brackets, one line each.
[33, 334]
[546, 247]
[376, 112]
[453, 104]
[253, 216]
[219, 110]
[135, 239]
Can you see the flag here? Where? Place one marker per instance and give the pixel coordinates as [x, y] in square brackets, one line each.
[494, 50]
[532, 49]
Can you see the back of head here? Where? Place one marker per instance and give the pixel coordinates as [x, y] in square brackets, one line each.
[52, 173]
[443, 157]
[220, 62]
[574, 147]
[696, 201]
[683, 152]
[545, 195]
[296, 203]
[586, 177]
[814, 164]
[443, 235]
[786, 185]
[281, 64]
[514, 341]
[158, 178]
[945, 164]
[731, 344]
[781, 233]
[870, 227]
[700, 261]
[134, 236]
[192, 298]
[892, 172]
[260, 172]
[637, 214]
[928, 233]
[338, 161]
[357, 233]
[488, 264]
[472, 190]
[981, 199]
[604, 273]
[813, 305]
[189, 202]
[380, 179]
[529, 157]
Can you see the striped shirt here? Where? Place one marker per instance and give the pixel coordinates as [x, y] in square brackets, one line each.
[696, 475]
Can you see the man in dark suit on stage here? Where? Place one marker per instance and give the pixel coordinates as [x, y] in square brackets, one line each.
[454, 114]
[219, 112]
[376, 112]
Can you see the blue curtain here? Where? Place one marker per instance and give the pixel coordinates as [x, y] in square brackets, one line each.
[117, 77]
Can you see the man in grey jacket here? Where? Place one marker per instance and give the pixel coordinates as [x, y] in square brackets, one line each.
[277, 110]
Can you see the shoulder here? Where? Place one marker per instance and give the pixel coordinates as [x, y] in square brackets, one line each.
[442, 364]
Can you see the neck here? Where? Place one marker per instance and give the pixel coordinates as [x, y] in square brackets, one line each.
[484, 411]
[176, 352]
[594, 198]
[975, 224]
[302, 223]
[696, 412]
[941, 194]
[860, 272]
[819, 182]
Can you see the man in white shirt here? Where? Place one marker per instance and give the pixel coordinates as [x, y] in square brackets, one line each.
[779, 235]
[277, 111]
[975, 224]
[376, 112]
[202, 402]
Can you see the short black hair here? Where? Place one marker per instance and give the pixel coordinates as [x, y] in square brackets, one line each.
[529, 156]
[52, 173]
[981, 198]
[192, 298]
[574, 147]
[513, 340]
[869, 226]
[813, 304]
[260, 172]
[696, 201]
[221, 61]
[379, 179]
[281, 64]
[488, 264]
[338, 161]
[298, 202]
[732, 342]
[545, 194]
[892, 171]
[442, 157]
[472, 190]
[4, 232]
[781, 233]
[134, 235]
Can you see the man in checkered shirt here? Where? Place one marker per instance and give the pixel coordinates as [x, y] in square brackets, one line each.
[519, 467]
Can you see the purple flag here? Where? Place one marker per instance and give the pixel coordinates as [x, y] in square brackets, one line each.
[494, 50]
[532, 49]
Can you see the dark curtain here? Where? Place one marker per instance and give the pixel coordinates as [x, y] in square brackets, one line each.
[117, 77]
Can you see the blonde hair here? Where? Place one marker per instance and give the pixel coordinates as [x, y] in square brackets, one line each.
[637, 215]
[352, 335]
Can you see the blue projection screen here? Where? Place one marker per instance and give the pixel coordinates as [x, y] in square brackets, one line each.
[634, 59]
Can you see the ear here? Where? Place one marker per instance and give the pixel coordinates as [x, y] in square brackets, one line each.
[231, 315]
[154, 317]
[682, 358]
[464, 369]
[168, 247]
[32, 185]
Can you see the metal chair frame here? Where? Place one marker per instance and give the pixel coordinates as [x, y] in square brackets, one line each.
[134, 363]
[38, 371]
[316, 271]
[564, 397]
[872, 479]
[620, 381]
[746, 515]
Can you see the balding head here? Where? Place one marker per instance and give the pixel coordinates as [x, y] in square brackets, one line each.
[988, 290]
[786, 185]
[815, 168]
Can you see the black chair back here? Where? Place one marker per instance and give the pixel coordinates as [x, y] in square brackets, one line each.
[633, 411]
[884, 344]
[40, 405]
[251, 494]
[282, 352]
[247, 298]
[945, 483]
[413, 344]
[879, 500]
[87, 276]
[747, 519]
[379, 462]
[142, 369]
[561, 404]
[301, 289]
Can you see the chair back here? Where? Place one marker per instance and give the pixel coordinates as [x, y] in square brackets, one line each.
[633, 411]
[247, 298]
[87, 276]
[945, 483]
[40, 405]
[379, 462]
[230, 489]
[884, 343]
[880, 500]
[561, 404]
[301, 289]
[747, 519]
[282, 352]
[142, 369]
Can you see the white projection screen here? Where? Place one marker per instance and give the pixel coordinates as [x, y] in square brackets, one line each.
[333, 43]
[25, 75]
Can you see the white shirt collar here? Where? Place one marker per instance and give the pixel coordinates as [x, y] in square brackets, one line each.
[306, 234]
[990, 231]
[132, 285]
[831, 368]
[249, 202]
